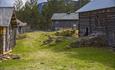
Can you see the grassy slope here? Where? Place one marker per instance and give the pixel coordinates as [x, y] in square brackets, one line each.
[34, 56]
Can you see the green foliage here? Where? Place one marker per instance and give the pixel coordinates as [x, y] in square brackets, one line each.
[83, 2]
[42, 21]
[29, 15]
[18, 4]
[22, 36]
[68, 32]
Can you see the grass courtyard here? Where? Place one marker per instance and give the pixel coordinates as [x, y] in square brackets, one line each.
[55, 56]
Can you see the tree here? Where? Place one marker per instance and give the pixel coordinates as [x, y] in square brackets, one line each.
[42, 21]
[83, 2]
[18, 4]
[29, 14]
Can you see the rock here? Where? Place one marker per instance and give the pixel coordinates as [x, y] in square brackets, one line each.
[42, 63]
[48, 41]
[15, 57]
[68, 47]
[87, 41]
[58, 40]
[0, 57]
[8, 56]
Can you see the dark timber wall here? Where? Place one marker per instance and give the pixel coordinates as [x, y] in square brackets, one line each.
[63, 24]
[99, 21]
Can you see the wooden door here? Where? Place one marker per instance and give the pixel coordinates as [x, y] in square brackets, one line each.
[111, 38]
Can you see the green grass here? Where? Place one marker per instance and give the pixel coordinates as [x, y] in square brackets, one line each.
[35, 56]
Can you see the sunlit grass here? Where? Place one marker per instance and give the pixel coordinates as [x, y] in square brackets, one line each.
[35, 56]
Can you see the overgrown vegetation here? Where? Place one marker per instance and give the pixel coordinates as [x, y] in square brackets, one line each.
[83, 2]
[42, 21]
[67, 32]
[36, 56]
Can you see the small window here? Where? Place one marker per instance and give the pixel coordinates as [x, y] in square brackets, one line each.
[97, 21]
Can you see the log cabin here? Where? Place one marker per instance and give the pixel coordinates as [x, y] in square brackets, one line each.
[98, 16]
[8, 26]
[64, 21]
[21, 27]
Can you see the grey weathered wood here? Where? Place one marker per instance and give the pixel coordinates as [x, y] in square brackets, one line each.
[102, 20]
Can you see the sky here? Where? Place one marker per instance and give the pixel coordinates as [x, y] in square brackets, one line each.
[41, 0]
[38, 1]
[24, 1]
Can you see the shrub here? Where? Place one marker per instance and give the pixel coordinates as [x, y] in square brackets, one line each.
[52, 40]
[68, 32]
[22, 36]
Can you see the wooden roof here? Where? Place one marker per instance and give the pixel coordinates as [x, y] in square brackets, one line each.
[20, 23]
[6, 11]
[97, 5]
[7, 3]
[65, 16]
[5, 16]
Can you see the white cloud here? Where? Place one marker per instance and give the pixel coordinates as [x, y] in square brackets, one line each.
[75, 0]
[24, 1]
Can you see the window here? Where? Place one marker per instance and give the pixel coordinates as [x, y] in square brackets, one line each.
[97, 22]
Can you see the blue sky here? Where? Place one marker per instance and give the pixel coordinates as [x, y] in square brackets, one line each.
[41, 0]
[38, 0]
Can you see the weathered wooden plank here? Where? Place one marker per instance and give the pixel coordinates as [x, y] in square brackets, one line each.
[1, 40]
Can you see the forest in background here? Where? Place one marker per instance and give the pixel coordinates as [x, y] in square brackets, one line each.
[42, 21]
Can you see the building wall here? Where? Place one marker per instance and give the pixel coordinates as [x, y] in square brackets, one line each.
[84, 24]
[99, 21]
[1, 39]
[64, 24]
[21, 30]
[8, 37]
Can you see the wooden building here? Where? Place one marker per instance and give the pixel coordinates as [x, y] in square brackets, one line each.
[98, 16]
[21, 27]
[8, 26]
[64, 21]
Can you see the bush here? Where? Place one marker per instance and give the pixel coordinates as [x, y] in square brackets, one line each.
[22, 36]
[65, 33]
[52, 40]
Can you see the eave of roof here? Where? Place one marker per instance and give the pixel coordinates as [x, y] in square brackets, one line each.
[20, 23]
[64, 19]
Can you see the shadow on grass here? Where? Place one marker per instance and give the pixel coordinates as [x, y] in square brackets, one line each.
[99, 55]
